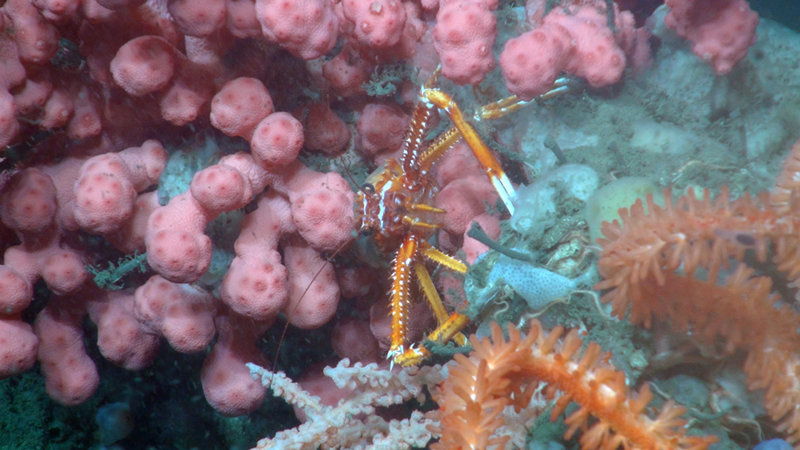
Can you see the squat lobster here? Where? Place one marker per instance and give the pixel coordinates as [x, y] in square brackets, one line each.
[396, 210]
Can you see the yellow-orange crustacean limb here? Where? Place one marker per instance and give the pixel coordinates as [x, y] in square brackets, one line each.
[395, 209]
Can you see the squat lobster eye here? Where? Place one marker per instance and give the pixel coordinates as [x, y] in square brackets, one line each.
[367, 188]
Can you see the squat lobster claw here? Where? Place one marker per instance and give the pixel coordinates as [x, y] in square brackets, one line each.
[395, 208]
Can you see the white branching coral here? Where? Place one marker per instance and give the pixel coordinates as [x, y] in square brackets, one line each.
[352, 422]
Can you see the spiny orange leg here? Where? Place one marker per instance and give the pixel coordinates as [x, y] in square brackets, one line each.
[497, 176]
[416, 354]
[494, 110]
[418, 212]
[434, 254]
[413, 142]
[502, 107]
[448, 327]
[400, 295]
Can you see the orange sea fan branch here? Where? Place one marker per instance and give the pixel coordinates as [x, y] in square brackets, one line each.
[699, 280]
[469, 399]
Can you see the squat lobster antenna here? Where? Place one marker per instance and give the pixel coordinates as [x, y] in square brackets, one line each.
[297, 305]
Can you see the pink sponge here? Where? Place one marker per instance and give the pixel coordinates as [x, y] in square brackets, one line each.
[182, 313]
[322, 207]
[104, 195]
[241, 19]
[351, 338]
[39, 42]
[70, 375]
[29, 204]
[61, 268]
[256, 283]
[347, 72]
[197, 18]
[374, 23]
[220, 188]
[720, 31]
[598, 59]
[308, 29]
[464, 199]
[576, 40]
[121, 338]
[28, 207]
[463, 36]
[474, 248]
[9, 125]
[313, 290]
[15, 292]
[144, 65]
[277, 140]
[105, 192]
[226, 380]
[324, 131]
[17, 347]
[256, 286]
[381, 128]
[177, 247]
[239, 106]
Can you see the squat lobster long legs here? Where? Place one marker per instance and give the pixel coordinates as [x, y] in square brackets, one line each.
[408, 259]
[492, 167]
[396, 209]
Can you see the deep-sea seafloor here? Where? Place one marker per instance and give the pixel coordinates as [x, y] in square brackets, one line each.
[675, 124]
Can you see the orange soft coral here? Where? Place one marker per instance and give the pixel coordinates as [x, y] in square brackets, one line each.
[503, 372]
[685, 263]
